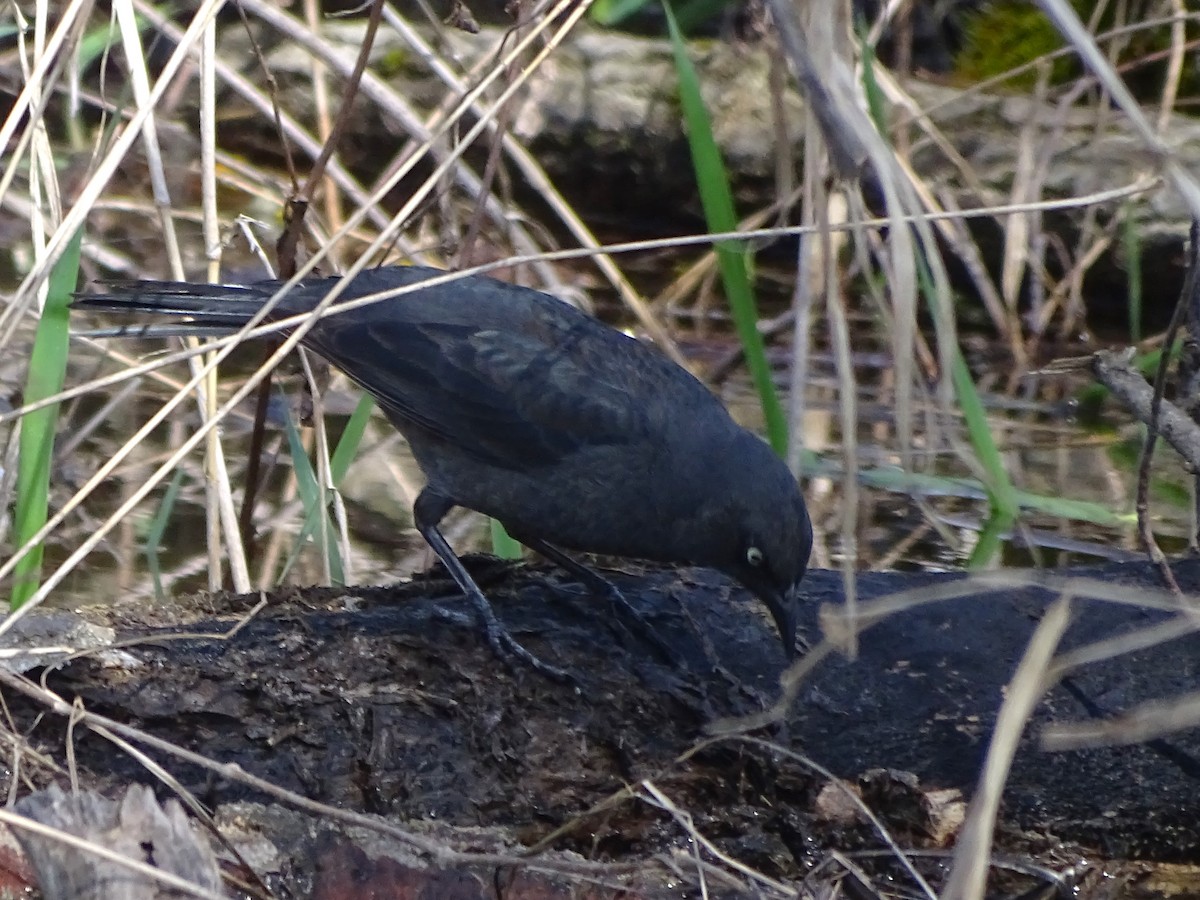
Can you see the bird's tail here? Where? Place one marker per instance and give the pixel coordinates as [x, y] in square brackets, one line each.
[196, 309]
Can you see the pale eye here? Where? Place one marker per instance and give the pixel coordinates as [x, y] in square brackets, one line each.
[754, 556]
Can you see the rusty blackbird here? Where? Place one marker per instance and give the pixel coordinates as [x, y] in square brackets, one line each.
[570, 433]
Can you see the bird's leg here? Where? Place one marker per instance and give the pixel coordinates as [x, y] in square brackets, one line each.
[428, 511]
[598, 584]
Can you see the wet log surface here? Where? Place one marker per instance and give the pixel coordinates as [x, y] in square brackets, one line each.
[387, 701]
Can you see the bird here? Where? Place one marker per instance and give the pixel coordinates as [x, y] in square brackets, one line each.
[572, 434]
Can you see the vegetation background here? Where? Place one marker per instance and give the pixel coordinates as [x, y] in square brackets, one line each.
[874, 262]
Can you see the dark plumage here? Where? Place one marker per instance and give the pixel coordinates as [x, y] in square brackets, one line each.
[570, 433]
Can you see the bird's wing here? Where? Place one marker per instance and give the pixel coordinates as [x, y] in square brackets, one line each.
[513, 397]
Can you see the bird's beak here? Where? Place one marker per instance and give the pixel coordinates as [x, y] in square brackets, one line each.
[783, 610]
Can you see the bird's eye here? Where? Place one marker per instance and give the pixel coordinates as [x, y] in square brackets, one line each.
[754, 556]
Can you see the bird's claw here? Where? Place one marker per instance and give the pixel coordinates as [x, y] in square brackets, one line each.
[507, 648]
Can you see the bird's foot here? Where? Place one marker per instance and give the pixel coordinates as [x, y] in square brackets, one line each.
[428, 509]
[507, 648]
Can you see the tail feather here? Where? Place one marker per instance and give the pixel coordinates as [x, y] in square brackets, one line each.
[204, 308]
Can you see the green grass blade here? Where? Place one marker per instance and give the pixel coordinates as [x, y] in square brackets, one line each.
[351, 439]
[876, 107]
[504, 545]
[1002, 496]
[1079, 510]
[717, 200]
[890, 478]
[316, 513]
[690, 14]
[1001, 493]
[47, 372]
[158, 528]
[347, 448]
[991, 540]
[612, 12]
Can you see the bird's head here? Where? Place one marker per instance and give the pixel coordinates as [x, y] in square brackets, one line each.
[759, 532]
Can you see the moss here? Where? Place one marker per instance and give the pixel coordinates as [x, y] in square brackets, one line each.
[394, 62]
[1001, 37]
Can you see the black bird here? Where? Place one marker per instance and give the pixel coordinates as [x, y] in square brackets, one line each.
[519, 406]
